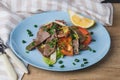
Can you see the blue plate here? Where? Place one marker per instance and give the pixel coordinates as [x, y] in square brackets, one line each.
[34, 58]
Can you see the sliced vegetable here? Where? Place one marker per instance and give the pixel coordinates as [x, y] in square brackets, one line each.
[87, 35]
[65, 45]
[59, 54]
[51, 60]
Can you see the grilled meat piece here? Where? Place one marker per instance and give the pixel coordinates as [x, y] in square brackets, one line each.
[50, 46]
[81, 36]
[41, 36]
[75, 41]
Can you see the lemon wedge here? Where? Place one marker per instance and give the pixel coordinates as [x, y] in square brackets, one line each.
[79, 20]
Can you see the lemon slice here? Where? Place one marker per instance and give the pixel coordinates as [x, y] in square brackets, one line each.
[79, 20]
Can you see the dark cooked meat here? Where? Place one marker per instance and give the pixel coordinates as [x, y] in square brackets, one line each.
[76, 46]
[50, 46]
[75, 41]
[42, 35]
[81, 36]
[41, 48]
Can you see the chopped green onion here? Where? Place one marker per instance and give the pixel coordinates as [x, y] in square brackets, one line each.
[50, 65]
[84, 59]
[74, 63]
[91, 33]
[82, 65]
[90, 49]
[76, 60]
[60, 62]
[93, 40]
[35, 26]
[86, 62]
[94, 51]
[29, 33]
[27, 51]
[62, 66]
[23, 41]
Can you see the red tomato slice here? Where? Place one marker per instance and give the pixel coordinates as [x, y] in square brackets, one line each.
[87, 34]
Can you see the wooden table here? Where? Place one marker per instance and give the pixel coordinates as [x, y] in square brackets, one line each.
[107, 69]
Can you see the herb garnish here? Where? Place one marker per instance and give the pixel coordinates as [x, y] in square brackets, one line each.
[86, 62]
[62, 66]
[53, 42]
[93, 40]
[29, 33]
[91, 33]
[82, 65]
[52, 29]
[50, 65]
[35, 26]
[60, 62]
[23, 41]
[74, 63]
[94, 51]
[84, 59]
[27, 51]
[90, 49]
[76, 60]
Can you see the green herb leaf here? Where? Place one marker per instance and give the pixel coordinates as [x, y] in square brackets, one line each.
[93, 40]
[35, 26]
[91, 33]
[76, 60]
[23, 41]
[74, 63]
[59, 54]
[27, 51]
[62, 66]
[60, 62]
[86, 62]
[94, 51]
[82, 65]
[50, 65]
[84, 59]
[53, 42]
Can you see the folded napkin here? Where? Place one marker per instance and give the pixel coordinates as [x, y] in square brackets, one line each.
[13, 11]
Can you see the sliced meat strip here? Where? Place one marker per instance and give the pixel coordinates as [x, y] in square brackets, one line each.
[76, 46]
[75, 41]
[41, 36]
[50, 45]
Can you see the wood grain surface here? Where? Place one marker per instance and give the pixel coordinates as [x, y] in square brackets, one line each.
[107, 69]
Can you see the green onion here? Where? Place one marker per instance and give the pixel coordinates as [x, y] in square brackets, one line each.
[86, 62]
[82, 65]
[91, 33]
[93, 40]
[84, 59]
[62, 66]
[74, 63]
[23, 41]
[90, 49]
[35, 26]
[94, 51]
[76, 60]
[52, 43]
[50, 65]
[29, 33]
[27, 51]
[60, 62]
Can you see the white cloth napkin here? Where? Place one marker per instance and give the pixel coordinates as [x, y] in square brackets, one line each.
[13, 11]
